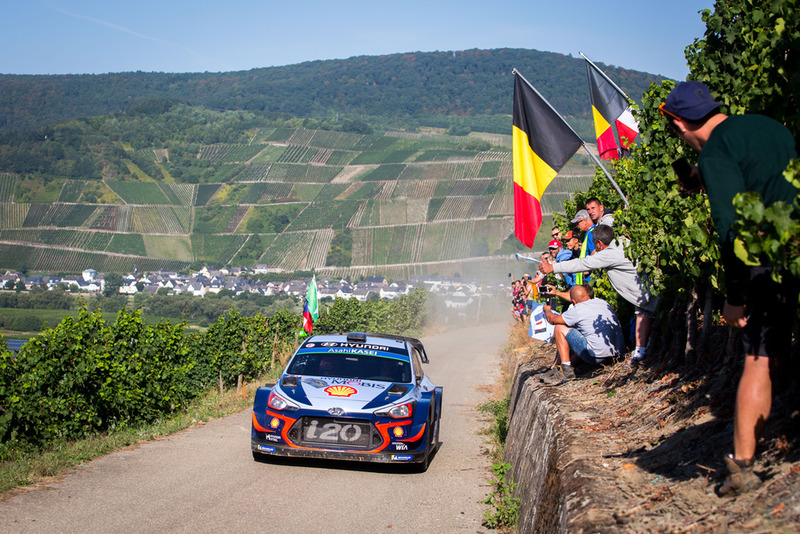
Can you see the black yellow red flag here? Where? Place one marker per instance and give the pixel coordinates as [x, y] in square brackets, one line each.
[542, 144]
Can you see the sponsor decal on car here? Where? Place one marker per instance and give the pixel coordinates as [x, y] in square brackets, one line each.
[265, 448]
[315, 382]
[402, 457]
[400, 446]
[340, 391]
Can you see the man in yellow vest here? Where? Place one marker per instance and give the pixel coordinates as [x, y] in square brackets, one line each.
[585, 225]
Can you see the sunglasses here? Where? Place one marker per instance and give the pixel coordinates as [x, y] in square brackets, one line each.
[669, 116]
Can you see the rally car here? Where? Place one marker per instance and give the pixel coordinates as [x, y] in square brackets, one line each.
[351, 396]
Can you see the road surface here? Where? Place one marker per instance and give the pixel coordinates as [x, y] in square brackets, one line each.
[205, 480]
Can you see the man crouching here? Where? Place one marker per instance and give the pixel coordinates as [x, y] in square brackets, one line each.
[589, 328]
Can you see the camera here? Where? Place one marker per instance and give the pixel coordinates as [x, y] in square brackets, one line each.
[543, 290]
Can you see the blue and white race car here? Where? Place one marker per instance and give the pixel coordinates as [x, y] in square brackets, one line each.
[351, 396]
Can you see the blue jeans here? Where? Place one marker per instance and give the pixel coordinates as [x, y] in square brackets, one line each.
[577, 343]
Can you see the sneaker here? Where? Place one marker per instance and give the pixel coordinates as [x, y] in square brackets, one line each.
[557, 375]
[633, 363]
[740, 479]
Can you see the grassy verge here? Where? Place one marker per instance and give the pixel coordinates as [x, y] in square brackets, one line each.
[23, 466]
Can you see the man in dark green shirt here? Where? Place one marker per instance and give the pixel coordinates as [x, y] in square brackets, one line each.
[738, 154]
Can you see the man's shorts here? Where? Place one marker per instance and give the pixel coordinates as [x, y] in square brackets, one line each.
[771, 309]
[578, 344]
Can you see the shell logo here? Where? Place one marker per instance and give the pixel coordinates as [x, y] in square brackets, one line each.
[340, 391]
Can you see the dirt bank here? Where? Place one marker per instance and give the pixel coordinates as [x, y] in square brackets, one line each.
[644, 448]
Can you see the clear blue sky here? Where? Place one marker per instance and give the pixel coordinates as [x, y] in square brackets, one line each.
[99, 36]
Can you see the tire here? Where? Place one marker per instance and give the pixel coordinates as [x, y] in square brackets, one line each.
[430, 446]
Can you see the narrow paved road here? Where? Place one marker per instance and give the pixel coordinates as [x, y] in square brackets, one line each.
[205, 480]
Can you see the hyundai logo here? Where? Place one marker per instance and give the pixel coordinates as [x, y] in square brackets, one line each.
[335, 411]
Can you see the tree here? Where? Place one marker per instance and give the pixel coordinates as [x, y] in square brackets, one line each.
[112, 282]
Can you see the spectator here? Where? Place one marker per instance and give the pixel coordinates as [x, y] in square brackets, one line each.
[555, 233]
[598, 213]
[570, 251]
[517, 301]
[571, 248]
[738, 154]
[589, 328]
[554, 247]
[624, 277]
[585, 225]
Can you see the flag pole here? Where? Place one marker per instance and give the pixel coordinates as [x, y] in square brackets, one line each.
[609, 80]
[583, 143]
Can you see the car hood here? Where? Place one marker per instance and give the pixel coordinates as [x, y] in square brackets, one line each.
[325, 392]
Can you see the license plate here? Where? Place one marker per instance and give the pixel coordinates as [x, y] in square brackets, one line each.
[331, 432]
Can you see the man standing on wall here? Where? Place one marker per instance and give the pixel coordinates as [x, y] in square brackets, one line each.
[739, 154]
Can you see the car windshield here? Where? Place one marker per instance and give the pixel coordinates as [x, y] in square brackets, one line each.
[343, 365]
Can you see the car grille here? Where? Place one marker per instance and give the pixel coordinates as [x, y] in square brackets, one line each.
[337, 433]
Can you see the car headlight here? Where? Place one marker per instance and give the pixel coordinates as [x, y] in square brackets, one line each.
[276, 402]
[401, 411]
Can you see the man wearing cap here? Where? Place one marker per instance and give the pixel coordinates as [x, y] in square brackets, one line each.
[585, 225]
[571, 250]
[737, 154]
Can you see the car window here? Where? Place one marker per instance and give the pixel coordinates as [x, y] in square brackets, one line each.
[418, 372]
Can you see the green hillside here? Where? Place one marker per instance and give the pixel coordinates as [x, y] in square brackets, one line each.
[93, 194]
[464, 89]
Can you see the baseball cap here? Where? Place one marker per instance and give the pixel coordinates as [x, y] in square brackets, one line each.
[569, 235]
[555, 243]
[581, 215]
[690, 100]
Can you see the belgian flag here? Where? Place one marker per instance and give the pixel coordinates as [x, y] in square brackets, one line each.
[614, 124]
[542, 143]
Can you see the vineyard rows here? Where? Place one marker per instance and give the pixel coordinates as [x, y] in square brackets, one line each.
[302, 173]
[71, 190]
[493, 155]
[331, 191]
[7, 184]
[328, 214]
[321, 157]
[139, 192]
[297, 154]
[55, 260]
[234, 221]
[289, 250]
[60, 238]
[319, 250]
[103, 218]
[355, 220]
[181, 194]
[301, 137]
[472, 188]
[386, 191]
[161, 219]
[255, 172]
[216, 248]
[13, 215]
[334, 140]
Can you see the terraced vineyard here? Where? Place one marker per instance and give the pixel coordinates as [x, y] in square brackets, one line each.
[412, 203]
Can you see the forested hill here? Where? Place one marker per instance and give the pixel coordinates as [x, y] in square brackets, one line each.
[414, 86]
